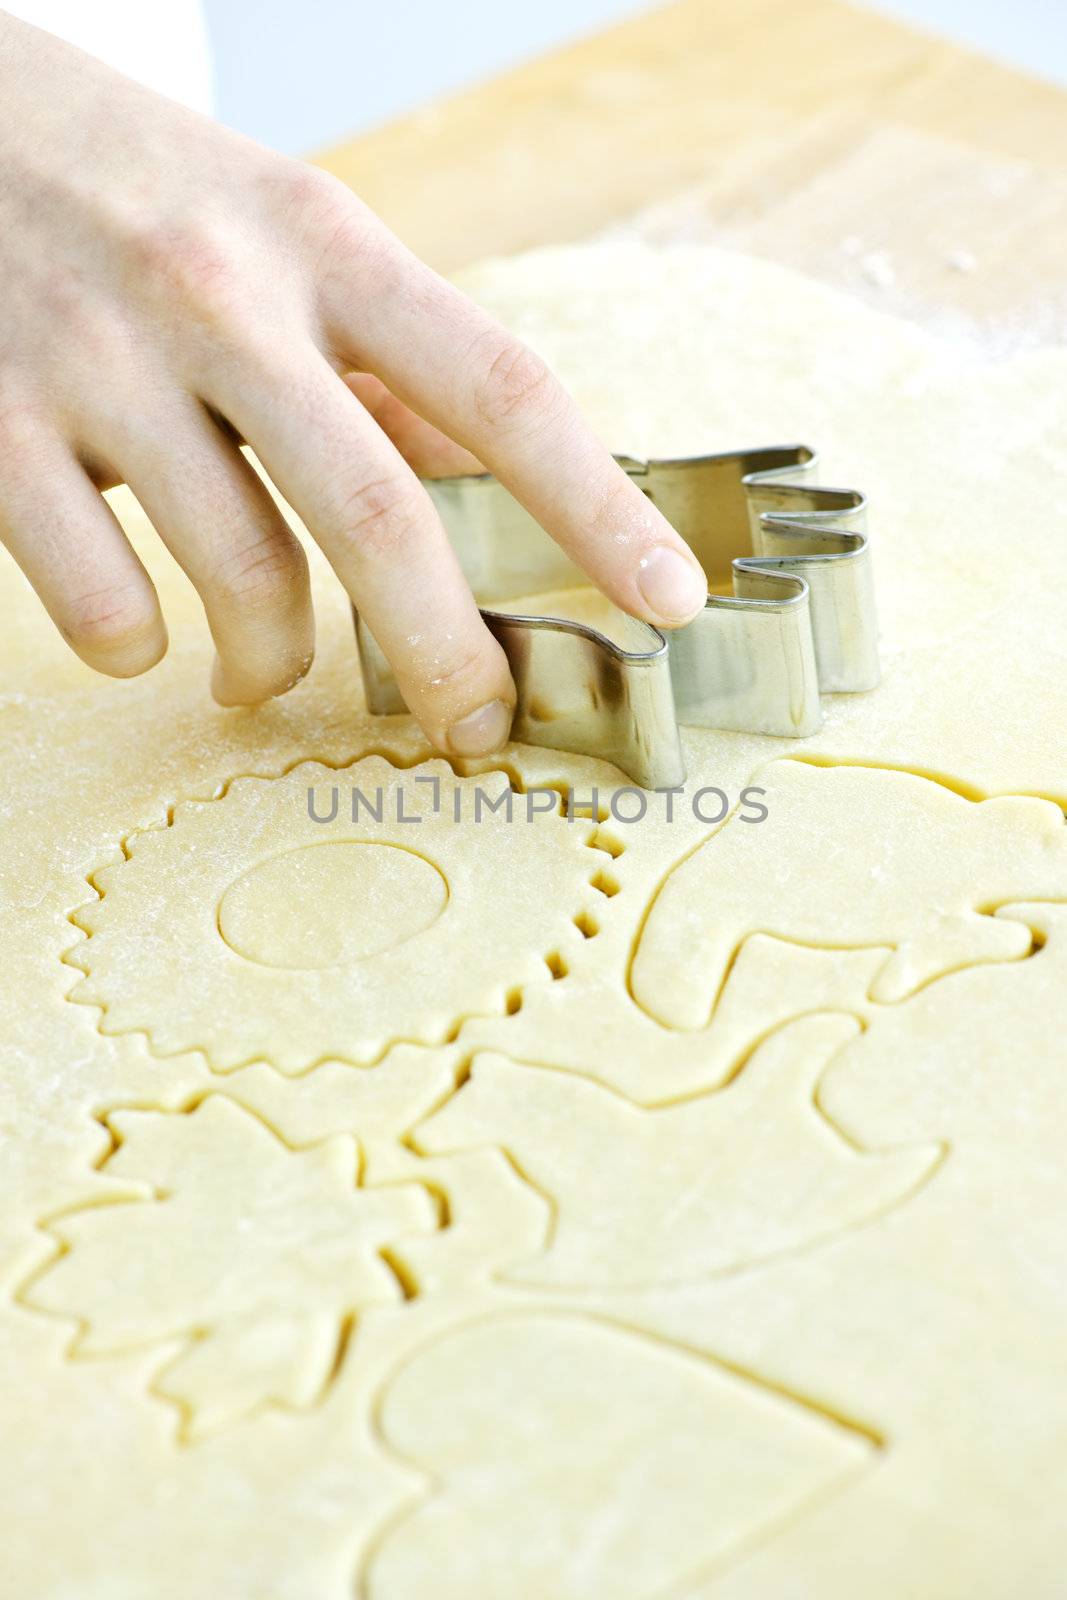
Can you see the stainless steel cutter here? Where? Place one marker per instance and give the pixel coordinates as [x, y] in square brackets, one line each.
[799, 622]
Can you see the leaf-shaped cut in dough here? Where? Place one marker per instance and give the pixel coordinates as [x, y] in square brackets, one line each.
[250, 1254]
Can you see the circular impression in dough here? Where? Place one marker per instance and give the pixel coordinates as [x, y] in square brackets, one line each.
[328, 905]
[287, 922]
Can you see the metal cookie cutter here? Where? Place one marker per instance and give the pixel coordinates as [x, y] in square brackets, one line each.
[800, 619]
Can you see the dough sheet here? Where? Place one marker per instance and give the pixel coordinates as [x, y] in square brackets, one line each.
[549, 1206]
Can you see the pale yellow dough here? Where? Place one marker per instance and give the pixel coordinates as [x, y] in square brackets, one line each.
[292, 958]
[566, 1210]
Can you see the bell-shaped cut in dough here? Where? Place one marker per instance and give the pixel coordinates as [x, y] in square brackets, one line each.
[574, 1459]
[681, 1192]
[850, 856]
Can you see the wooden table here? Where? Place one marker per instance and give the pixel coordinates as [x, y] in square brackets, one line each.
[902, 167]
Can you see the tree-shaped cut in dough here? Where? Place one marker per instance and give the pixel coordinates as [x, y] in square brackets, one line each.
[850, 856]
[709, 1185]
[253, 1256]
[578, 1460]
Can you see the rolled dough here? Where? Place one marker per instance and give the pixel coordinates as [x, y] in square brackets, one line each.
[548, 1208]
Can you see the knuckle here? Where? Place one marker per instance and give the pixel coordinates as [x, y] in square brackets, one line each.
[357, 250]
[517, 387]
[263, 575]
[462, 665]
[612, 502]
[326, 214]
[379, 518]
[92, 326]
[21, 425]
[196, 267]
[112, 621]
[317, 196]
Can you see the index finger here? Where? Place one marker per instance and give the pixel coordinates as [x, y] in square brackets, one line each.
[456, 366]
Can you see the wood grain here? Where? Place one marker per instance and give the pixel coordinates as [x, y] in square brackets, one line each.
[913, 172]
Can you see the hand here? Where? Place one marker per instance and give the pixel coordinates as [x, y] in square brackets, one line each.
[168, 289]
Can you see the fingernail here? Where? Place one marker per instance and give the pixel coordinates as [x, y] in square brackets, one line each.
[482, 732]
[671, 585]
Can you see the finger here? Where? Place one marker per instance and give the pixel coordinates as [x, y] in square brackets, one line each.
[425, 448]
[451, 362]
[378, 527]
[219, 522]
[68, 542]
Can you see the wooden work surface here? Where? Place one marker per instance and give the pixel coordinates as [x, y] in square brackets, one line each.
[925, 178]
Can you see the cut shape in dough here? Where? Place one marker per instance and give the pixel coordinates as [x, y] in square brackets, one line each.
[251, 931]
[253, 1258]
[331, 905]
[382, 1105]
[972, 1058]
[769, 982]
[949, 1318]
[940, 1322]
[850, 856]
[706, 1186]
[571, 1458]
[494, 1216]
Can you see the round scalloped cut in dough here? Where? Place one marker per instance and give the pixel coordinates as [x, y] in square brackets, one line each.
[249, 930]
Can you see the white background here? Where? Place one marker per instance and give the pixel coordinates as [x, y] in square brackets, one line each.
[300, 74]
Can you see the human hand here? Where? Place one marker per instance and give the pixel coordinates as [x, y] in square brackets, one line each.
[168, 289]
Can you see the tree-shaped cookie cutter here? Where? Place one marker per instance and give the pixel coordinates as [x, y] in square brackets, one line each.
[800, 620]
